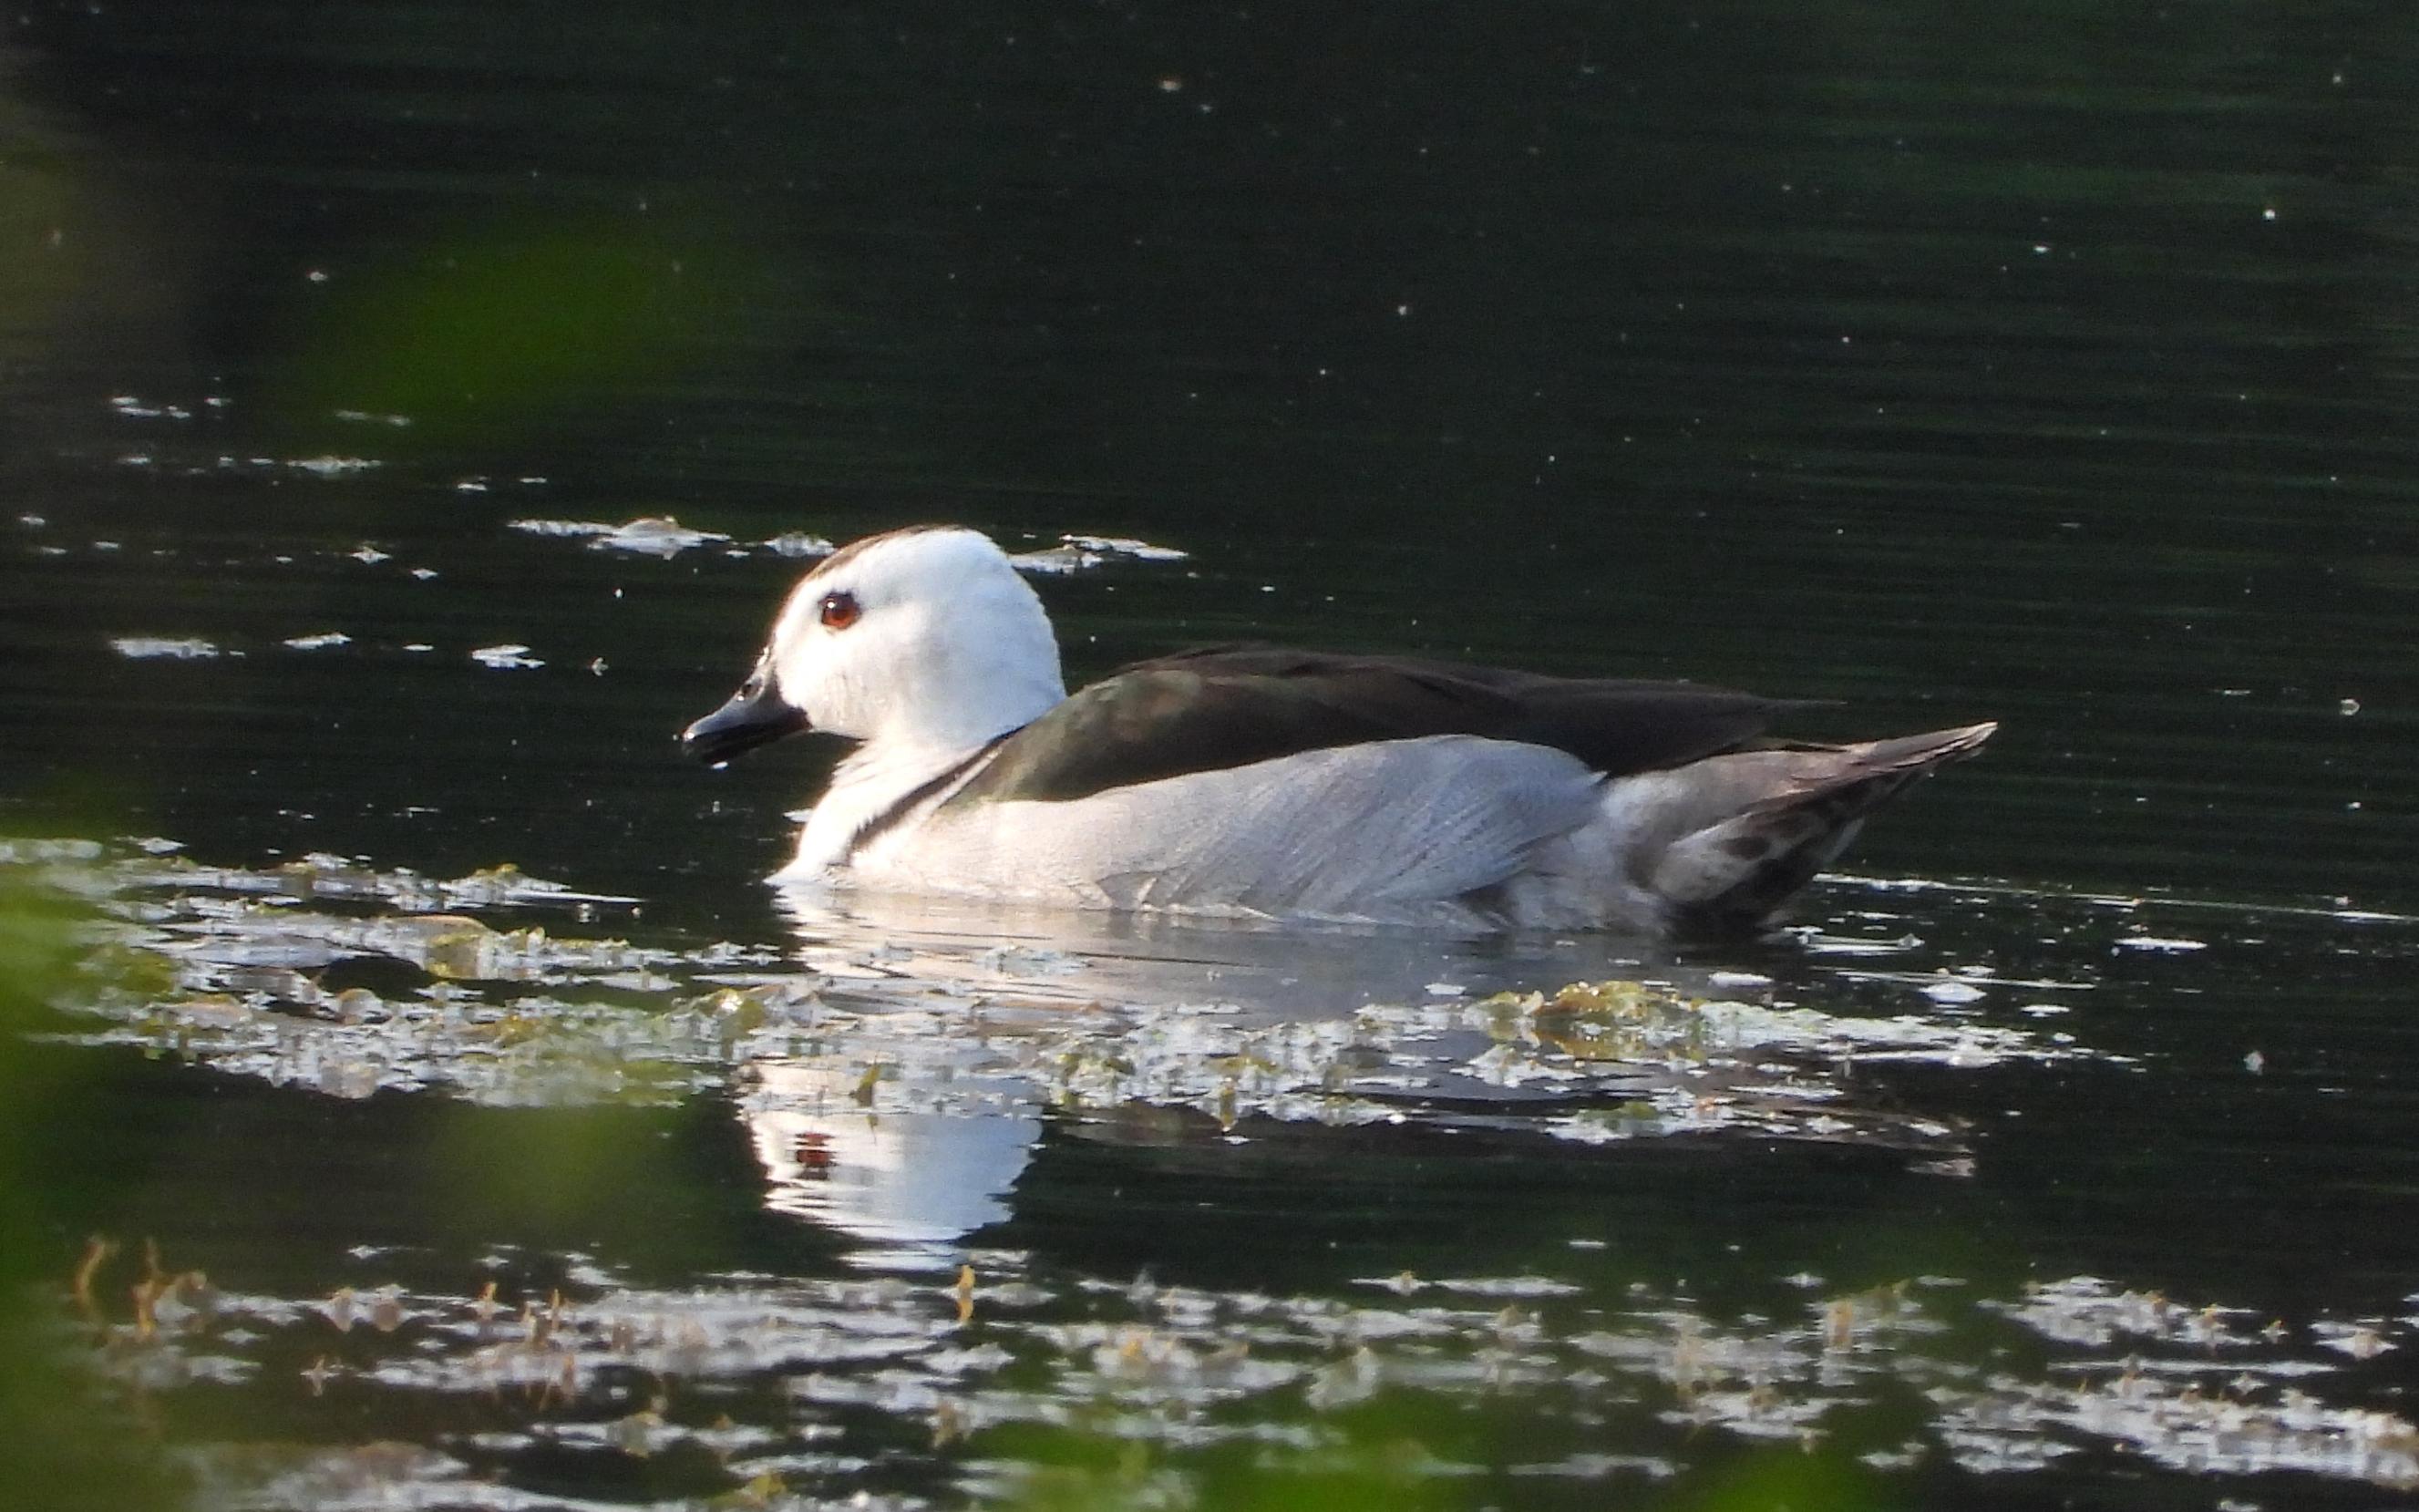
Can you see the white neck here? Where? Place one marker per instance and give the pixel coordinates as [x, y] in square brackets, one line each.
[869, 785]
[875, 778]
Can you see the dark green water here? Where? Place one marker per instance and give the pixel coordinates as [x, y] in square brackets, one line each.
[2054, 365]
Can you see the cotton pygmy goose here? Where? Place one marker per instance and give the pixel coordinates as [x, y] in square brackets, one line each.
[1261, 780]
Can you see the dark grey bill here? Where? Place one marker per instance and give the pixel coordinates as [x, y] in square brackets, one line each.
[757, 715]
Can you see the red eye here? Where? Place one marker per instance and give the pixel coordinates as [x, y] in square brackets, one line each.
[840, 610]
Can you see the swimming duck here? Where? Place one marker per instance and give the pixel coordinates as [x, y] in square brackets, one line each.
[1248, 779]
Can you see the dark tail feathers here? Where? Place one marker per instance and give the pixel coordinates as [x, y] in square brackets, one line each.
[1767, 821]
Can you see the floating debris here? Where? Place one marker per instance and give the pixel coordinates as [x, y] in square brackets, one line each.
[134, 408]
[147, 647]
[654, 536]
[506, 658]
[560, 526]
[799, 544]
[1080, 553]
[321, 642]
[979, 1040]
[1189, 1368]
[1124, 546]
[663, 537]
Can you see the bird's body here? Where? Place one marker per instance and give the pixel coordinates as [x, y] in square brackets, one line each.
[1279, 783]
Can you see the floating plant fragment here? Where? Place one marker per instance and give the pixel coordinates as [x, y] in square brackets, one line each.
[985, 1030]
[799, 544]
[145, 648]
[1002, 1340]
[1124, 546]
[506, 658]
[654, 536]
[332, 467]
[1079, 553]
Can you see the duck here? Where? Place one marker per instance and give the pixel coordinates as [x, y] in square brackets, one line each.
[1248, 780]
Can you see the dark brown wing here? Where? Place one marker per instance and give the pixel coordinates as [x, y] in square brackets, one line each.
[1200, 711]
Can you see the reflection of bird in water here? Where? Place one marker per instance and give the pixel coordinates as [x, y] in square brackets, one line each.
[931, 1051]
[900, 1180]
[1282, 783]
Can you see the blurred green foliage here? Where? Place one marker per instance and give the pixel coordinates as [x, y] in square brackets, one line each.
[547, 1170]
[1397, 1453]
[66, 1442]
[1822, 1478]
[36, 274]
[498, 326]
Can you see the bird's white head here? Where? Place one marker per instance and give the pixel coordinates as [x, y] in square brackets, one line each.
[920, 638]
